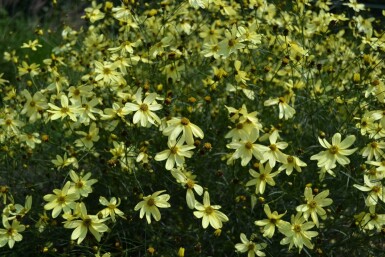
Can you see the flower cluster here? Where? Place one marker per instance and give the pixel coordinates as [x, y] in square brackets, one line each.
[176, 128]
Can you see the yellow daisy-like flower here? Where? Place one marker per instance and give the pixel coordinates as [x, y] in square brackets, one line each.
[61, 200]
[252, 248]
[184, 126]
[297, 232]
[144, 109]
[261, 178]
[273, 220]
[209, 213]
[86, 223]
[175, 154]
[10, 234]
[246, 149]
[336, 151]
[150, 205]
[314, 205]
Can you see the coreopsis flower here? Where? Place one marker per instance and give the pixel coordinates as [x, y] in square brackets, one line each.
[175, 155]
[253, 249]
[285, 110]
[314, 205]
[297, 232]
[81, 183]
[246, 149]
[373, 149]
[292, 163]
[84, 223]
[32, 70]
[379, 172]
[274, 154]
[89, 138]
[176, 126]
[232, 43]
[65, 110]
[375, 189]
[150, 205]
[238, 132]
[144, 109]
[209, 214]
[93, 13]
[199, 3]
[10, 233]
[33, 105]
[261, 178]
[62, 200]
[355, 5]
[64, 161]
[11, 124]
[336, 151]
[187, 181]
[111, 209]
[273, 220]
[107, 73]
[17, 211]
[371, 220]
[32, 45]
[30, 139]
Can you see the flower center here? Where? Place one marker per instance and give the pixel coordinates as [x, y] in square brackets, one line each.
[239, 126]
[87, 222]
[374, 145]
[64, 109]
[32, 104]
[376, 189]
[143, 107]
[190, 184]
[333, 149]
[151, 202]
[249, 145]
[79, 184]
[297, 228]
[209, 210]
[312, 204]
[184, 121]
[174, 150]
[251, 246]
[10, 232]
[273, 147]
[61, 199]
[290, 159]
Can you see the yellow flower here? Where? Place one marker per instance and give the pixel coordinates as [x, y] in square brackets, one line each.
[82, 184]
[32, 44]
[89, 138]
[189, 183]
[86, 223]
[33, 105]
[250, 247]
[273, 220]
[61, 200]
[10, 234]
[297, 232]
[150, 205]
[175, 155]
[336, 152]
[375, 189]
[144, 109]
[209, 213]
[262, 178]
[112, 208]
[292, 162]
[65, 110]
[184, 126]
[314, 205]
[285, 110]
[246, 149]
